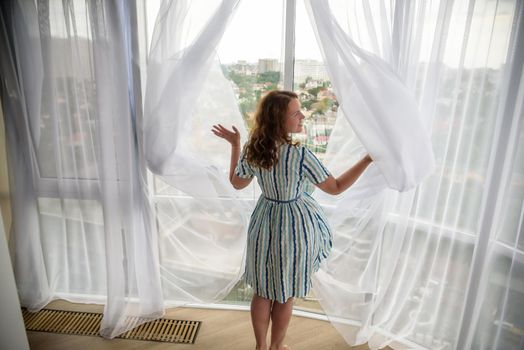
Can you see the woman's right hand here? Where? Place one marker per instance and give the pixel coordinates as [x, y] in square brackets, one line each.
[233, 137]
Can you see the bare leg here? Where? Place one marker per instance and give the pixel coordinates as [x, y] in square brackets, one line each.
[280, 317]
[260, 315]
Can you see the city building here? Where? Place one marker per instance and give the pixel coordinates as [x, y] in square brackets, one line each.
[268, 65]
[310, 68]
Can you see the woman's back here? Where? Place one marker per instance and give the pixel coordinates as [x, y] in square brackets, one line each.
[285, 181]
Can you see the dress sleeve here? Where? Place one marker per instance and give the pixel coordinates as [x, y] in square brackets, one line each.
[314, 170]
[243, 169]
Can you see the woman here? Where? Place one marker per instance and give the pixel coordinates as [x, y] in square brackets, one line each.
[288, 234]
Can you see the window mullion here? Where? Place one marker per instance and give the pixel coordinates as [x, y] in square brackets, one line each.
[289, 43]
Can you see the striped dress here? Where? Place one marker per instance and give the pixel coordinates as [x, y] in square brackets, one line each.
[288, 234]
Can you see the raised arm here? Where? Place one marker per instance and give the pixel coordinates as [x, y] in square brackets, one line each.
[338, 185]
[233, 137]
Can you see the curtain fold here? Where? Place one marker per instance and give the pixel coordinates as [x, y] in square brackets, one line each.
[492, 314]
[21, 104]
[380, 108]
[179, 61]
[82, 226]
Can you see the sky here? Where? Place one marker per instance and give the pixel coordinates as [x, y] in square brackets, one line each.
[256, 31]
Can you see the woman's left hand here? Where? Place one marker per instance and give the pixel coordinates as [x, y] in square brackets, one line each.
[233, 137]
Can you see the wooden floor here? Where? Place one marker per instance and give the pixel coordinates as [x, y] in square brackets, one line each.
[220, 330]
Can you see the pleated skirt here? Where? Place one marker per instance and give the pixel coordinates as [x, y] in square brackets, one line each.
[286, 242]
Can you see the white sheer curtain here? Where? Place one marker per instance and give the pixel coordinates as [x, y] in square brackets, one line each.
[381, 110]
[410, 265]
[201, 218]
[81, 224]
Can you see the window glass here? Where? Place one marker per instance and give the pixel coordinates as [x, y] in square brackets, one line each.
[67, 143]
[250, 55]
[250, 52]
[312, 84]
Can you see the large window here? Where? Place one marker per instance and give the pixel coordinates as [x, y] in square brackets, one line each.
[466, 99]
[460, 250]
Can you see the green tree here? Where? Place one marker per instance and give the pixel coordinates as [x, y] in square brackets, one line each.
[268, 77]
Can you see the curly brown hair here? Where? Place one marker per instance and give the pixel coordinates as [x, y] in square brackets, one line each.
[269, 131]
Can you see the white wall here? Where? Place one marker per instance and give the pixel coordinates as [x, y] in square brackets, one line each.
[12, 329]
